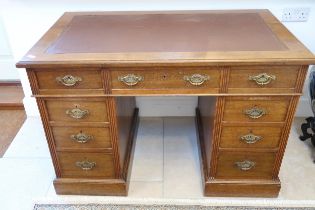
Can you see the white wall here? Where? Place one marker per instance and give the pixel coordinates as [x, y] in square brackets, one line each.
[7, 70]
[26, 21]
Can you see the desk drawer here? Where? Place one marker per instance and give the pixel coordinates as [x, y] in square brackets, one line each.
[263, 79]
[203, 79]
[77, 110]
[250, 137]
[85, 165]
[239, 165]
[69, 81]
[256, 109]
[81, 137]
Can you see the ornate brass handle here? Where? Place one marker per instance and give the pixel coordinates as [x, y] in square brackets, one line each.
[68, 80]
[255, 112]
[196, 79]
[130, 79]
[250, 138]
[85, 165]
[81, 137]
[245, 165]
[262, 79]
[77, 113]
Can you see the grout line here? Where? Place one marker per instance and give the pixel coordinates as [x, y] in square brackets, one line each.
[48, 188]
[146, 181]
[163, 150]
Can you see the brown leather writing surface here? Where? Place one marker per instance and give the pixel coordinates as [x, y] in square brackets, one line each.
[166, 33]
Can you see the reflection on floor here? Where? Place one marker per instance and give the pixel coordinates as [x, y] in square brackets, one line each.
[10, 123]
[166, 165]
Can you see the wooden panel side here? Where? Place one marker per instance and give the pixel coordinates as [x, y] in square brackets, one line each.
[301, 79]
[125, 107]
[49, 135]
[220, 103]
[285, 135]
[113, 126]
[207, 108]
[33, 81]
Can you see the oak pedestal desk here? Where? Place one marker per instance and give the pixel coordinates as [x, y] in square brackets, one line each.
[245, 67]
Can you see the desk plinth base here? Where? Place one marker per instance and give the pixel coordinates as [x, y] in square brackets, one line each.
[227, 188]
[67, 186]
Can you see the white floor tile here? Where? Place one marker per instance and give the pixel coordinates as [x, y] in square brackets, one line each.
[22, 180]
[182, 176]
[146, 189]
[148, 156]
[30, 141]
[297, 169]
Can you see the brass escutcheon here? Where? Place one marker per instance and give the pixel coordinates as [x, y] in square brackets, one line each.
[77, 113]
[81, 137]
[245, 165]
[250, 138]
[262, 79]
[255, 112]
[85, 165]
[68, 80]
[196, 79]
[130, 79]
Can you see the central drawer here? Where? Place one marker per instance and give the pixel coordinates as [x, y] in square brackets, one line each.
[86, 165]
[77, 109]
[194, 79]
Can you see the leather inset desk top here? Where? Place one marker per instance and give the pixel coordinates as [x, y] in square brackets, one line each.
[166, 33]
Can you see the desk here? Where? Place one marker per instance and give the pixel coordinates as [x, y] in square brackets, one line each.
[245, 67]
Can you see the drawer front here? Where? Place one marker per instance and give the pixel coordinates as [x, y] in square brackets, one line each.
[69, 79]
[263, 79]
[256, 109]
[250, 137]
[204, 78]
[77, 110]
[239, 165]
[81, 137]
[85, 165]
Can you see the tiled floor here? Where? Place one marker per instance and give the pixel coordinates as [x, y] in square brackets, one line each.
[166, 166]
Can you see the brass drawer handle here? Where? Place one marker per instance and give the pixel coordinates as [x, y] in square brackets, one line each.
[69, 80]
[196, 79]
[130, 79]
[85, 165]
[250, 138]
[245, 165]
[77, 113]
[255, 112]
[262, 79]
[81, 137]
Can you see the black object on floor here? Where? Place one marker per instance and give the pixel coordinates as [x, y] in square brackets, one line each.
[310, 121]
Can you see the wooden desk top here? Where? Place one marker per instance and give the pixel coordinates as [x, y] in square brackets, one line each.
[166, 38]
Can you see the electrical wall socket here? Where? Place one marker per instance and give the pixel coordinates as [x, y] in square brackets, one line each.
[295, 14]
